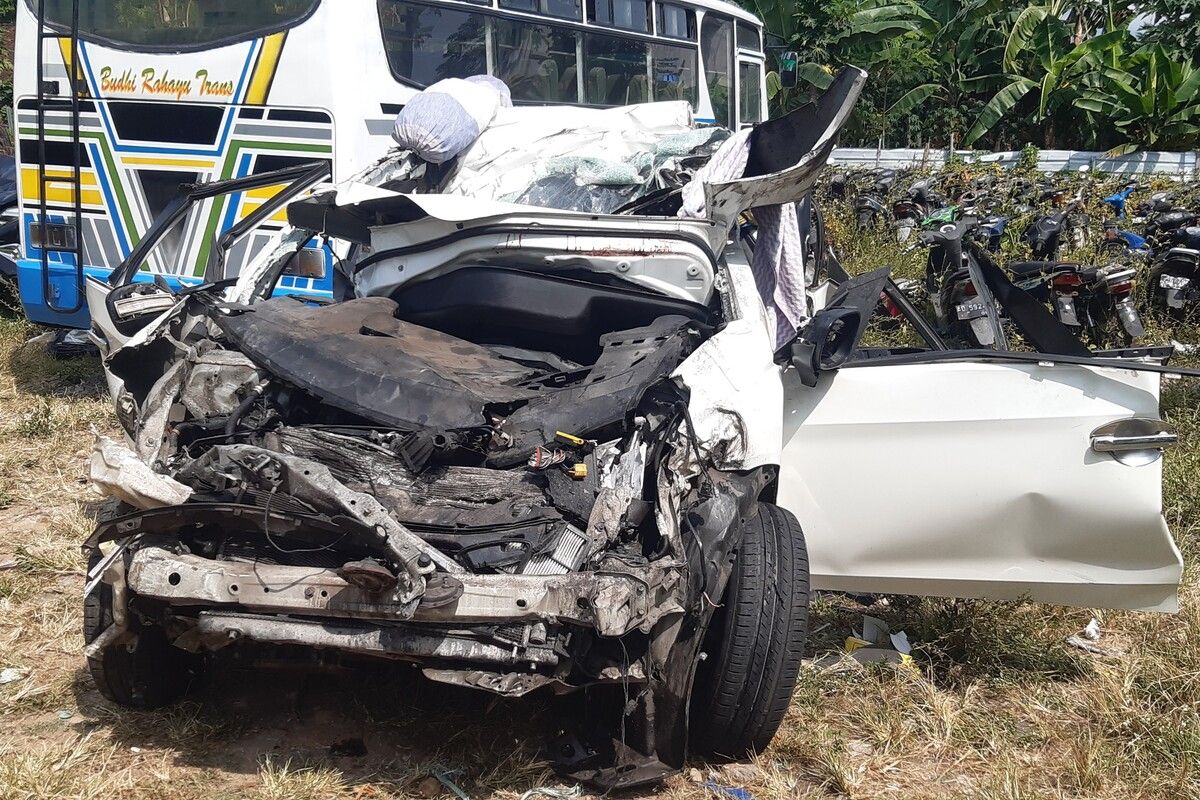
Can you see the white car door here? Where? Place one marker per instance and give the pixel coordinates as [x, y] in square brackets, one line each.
[982, 478]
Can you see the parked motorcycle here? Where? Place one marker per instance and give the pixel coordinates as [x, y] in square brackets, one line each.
[1161, 226]
[1084, 298]
[918, 209]
[1046, 234]
[867, 211]
[868, 206]
[963, 305]
[1124, 244]
[1117, 200]
[1175, 277]
[990, 232]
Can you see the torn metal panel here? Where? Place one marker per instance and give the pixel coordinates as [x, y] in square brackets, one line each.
[312, 481]
[118, 472]
[218, 628]
[216, 381]
[620, 485]
[357, 356]
[786, 155]
[508, 684]
[735, 392]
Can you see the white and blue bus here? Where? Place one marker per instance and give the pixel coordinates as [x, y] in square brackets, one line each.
[171, 92]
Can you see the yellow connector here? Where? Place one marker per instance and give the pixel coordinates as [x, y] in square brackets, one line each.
[578, 471]
[570, 438]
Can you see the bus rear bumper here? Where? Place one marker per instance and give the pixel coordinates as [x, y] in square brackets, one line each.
[65, 294]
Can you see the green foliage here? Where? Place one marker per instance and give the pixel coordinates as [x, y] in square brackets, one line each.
[996, 74]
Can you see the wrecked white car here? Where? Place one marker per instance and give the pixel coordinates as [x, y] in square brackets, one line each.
[542, 449]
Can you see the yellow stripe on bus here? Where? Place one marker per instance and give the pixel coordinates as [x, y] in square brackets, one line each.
[266, 192]
[264, 69]
[60, 189]
[29, 175]
[60, 193]
[168, 161]
[64, 47]
[248, 207]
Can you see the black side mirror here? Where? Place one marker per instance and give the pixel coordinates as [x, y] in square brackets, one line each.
[826, 343]
[788, 74]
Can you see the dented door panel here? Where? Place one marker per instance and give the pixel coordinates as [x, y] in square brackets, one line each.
[975, 479]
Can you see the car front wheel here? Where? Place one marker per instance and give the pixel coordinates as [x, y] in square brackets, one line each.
[144, 672]
[755, 641]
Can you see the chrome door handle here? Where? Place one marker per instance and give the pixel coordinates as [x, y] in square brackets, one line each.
[1134, 441]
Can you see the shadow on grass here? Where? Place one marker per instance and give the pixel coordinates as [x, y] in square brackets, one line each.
[385, 726]
[35, 371]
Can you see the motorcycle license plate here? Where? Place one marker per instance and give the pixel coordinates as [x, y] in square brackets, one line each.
[1173, 282]
[966, 311]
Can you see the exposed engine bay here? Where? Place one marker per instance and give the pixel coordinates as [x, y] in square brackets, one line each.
[510, 517]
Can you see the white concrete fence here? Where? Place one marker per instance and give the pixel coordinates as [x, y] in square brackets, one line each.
[1184, 166]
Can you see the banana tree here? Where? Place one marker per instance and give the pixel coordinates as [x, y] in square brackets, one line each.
[1041, 42]
[1152, 101]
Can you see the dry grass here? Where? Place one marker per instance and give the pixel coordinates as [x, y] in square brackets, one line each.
[996, 707]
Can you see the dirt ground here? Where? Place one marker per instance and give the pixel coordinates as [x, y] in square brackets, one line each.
[996, 704]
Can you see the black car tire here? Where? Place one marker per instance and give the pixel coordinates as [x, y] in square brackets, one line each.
[145, 673]
[755, 641]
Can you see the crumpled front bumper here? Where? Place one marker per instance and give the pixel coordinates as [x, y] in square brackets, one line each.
[612, 603]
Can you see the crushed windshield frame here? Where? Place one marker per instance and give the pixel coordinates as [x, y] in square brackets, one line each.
[290, 21]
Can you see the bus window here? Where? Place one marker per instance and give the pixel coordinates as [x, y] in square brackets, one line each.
[632, 15]
[426, 43]
[614, 70]
[716, 46]
[674, 71]
[566, 9]
[748, 37]
[190, 23]
[749, 93]
[676, 22]
[536, 61]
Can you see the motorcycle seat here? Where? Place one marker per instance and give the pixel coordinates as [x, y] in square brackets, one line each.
[1025, 269]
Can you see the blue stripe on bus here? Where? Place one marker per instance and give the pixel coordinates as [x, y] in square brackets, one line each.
[114, 212]
[234, 200]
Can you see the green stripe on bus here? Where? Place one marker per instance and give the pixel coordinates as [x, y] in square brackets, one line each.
[236, 147]
[114, 177]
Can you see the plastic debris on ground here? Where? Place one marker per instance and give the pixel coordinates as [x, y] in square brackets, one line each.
[74, 343]
[1086, 640]
[12, 675]
[446, 778]
[554, 792]
[734, 792]
[875, 643]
